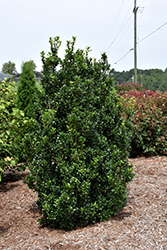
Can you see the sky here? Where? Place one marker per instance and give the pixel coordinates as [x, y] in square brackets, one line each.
[105, 26]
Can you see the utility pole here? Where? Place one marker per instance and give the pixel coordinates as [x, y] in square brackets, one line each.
[135, 41]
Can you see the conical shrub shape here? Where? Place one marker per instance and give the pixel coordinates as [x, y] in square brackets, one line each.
[80, 170]
[27, 92]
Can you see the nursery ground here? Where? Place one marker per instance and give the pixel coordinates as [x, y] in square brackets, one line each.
[142, 224]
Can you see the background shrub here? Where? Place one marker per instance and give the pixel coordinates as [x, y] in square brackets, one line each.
[80, 170]
[29, 99]
[28, 94]
[124, 87]
[12, 125]
[149, 121]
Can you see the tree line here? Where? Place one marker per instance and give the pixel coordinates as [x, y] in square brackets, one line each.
[152, 79]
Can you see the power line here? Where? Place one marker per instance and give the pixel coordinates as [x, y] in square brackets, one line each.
[141, 41]
[144, 1]
[122, 44]
[121, 40]
[115, 21]
[119, 34]
[121, 28]
[152, 32]
[124, 56]
[147, 8]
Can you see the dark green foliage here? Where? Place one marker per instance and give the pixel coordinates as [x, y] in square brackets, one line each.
[80, 170]
[27, 92]
[122, 77]
[153, 79]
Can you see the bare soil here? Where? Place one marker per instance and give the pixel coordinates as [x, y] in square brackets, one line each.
[142, 224]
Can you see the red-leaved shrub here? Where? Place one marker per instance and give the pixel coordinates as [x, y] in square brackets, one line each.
[149, 134]
[124, 87]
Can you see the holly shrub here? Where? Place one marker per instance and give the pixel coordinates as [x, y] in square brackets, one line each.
[80, 170]
[149, 120]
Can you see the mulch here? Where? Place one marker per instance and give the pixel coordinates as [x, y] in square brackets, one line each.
[142, 224]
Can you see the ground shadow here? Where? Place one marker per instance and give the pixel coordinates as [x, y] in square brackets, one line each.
[4, 187]
[13, 176]
[4, 229]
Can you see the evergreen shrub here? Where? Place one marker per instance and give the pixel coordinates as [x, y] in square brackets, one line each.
[28, 94]
[81, 169]
[28, 100]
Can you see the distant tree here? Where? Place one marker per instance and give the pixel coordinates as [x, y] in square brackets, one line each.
[27, 92]
[148, 81]
[123, 77]
[163, 84]
[31, 64]
[9, 68]
[152, 79]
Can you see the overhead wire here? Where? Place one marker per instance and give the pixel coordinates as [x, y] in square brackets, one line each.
[121, 28]
[114, 23]
[124, 56]
[152, 33]
[142, 38]
[146, 9]
[144, 1]
[119, 34]
[120, 40]
[141, 41]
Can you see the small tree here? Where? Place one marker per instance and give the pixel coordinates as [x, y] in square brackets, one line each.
[27, 92]
[9, 68]
[80, 169]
